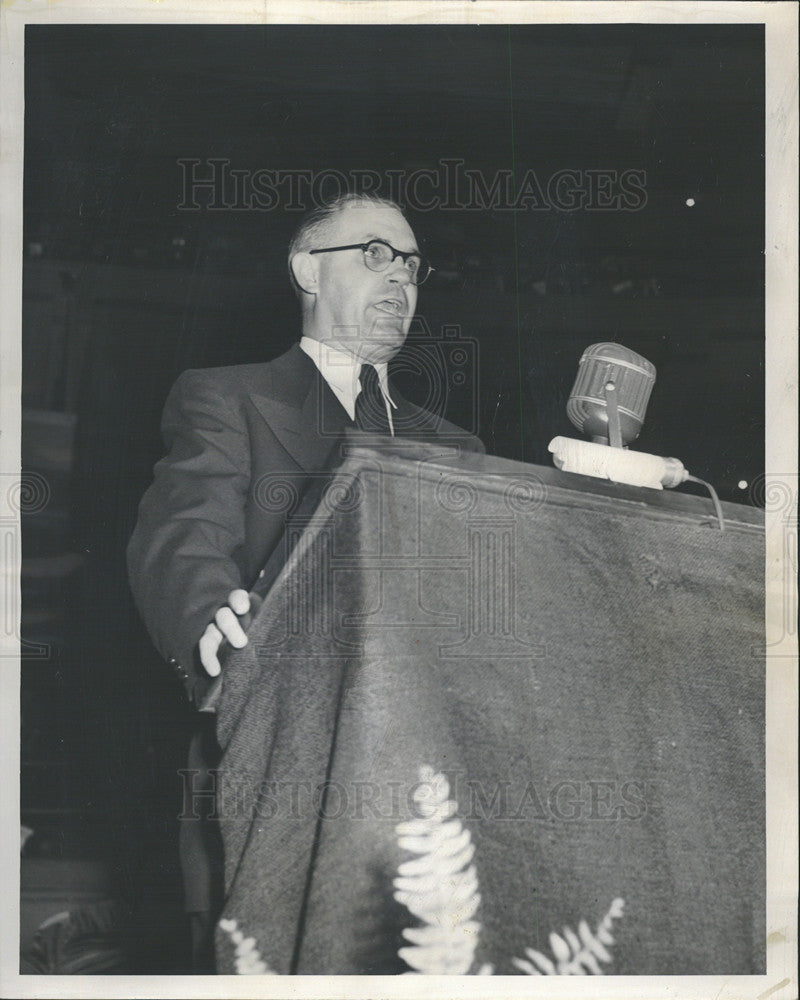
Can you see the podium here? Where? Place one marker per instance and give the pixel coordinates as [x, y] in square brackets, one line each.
[580, 664]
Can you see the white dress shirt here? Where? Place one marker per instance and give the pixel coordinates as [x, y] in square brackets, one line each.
[342, 373]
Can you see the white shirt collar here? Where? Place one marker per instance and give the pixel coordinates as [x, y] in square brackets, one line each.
[342, 371]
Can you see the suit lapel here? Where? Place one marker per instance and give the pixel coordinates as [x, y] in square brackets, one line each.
[302, 411]
[307, 418]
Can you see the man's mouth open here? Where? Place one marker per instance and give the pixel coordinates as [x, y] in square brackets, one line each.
[392, 307]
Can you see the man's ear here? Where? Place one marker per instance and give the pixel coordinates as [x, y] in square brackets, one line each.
[306, 272]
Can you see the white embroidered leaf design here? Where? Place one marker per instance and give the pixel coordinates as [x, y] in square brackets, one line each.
[572, 939]
[560, 948]
[594, 943]
[248, 958]
[525, 967]
[542, 964]
[440, 886]
[575, 954]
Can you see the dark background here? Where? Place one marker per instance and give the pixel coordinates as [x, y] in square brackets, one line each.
[123, 290]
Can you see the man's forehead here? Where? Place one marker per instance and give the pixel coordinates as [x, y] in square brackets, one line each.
[360, 222]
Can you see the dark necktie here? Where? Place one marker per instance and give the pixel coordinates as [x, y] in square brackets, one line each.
[370, 405]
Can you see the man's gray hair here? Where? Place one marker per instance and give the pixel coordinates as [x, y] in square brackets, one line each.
[312, 231]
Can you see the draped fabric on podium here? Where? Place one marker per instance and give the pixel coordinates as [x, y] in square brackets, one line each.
[584, 665]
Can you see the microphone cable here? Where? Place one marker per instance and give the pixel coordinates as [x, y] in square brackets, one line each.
[714, 497]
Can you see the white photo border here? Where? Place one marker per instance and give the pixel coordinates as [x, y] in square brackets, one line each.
[781, 23]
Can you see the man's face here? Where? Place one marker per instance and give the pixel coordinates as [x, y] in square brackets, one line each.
[365, 313]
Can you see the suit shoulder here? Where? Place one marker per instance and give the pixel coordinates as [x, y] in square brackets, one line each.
[227, 374]
[257, 377]
[231, 383]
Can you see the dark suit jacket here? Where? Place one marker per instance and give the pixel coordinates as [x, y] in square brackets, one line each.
[244, 444]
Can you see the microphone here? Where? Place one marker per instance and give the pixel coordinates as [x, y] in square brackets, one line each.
[608, 403]
[611, 393]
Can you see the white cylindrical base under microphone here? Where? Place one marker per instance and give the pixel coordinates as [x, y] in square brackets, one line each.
[616, 464]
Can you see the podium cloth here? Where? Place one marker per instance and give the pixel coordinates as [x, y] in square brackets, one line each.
[583, 662]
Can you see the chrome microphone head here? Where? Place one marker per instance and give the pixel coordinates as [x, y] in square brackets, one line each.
[633, 378]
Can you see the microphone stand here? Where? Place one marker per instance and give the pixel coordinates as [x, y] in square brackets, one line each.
[612, 408]
[609, 458]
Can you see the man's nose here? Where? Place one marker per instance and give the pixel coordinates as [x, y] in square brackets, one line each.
[398, 271]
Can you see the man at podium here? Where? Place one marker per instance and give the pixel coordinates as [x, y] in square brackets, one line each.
[236, 435]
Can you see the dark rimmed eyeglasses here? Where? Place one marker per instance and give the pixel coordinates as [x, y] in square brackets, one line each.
[378, 255]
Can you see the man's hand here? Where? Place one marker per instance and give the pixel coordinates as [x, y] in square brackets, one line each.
[229, 624]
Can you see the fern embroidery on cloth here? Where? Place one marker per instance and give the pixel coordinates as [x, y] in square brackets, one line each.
[440, 887]
[248, 960]
[574, 954]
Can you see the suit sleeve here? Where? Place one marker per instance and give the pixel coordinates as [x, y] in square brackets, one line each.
[182, 556]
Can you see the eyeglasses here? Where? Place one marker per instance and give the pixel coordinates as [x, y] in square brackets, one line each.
[379, 255]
